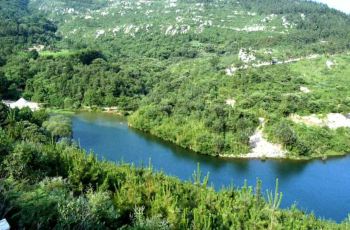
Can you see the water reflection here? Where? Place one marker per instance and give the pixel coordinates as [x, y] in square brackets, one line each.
[289, 169]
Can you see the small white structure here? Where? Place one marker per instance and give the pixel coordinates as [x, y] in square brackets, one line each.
[22, 103]
[4, 225]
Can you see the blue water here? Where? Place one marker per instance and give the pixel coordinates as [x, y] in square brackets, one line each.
[322, 187]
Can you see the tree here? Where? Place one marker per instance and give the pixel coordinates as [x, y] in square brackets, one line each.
[214, 62]
[3, 85]
[3, 113]
[5, 145]
[88, 56]
[59, 126]
[33, 54]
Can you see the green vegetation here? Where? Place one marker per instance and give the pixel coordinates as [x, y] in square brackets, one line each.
[167, 63]
[189, 29]
[192, 111]
[20, 29]
[58, 126]
[48, 185]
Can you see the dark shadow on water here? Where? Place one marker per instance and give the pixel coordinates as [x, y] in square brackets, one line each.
[288, 169]
[183, 153]
[241, 165]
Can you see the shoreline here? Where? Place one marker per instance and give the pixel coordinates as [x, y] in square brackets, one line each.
[222, 156]
[247, 157]
[300, 159]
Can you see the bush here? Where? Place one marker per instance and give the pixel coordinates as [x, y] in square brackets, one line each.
[29, 161]
[88, 56]
[5, 145]
[285, 134]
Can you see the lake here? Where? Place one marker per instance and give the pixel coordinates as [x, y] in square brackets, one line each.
[322, 187]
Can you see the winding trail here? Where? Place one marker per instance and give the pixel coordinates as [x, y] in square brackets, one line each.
[231, 70]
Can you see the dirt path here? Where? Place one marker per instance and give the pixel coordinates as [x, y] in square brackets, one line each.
[231, 70]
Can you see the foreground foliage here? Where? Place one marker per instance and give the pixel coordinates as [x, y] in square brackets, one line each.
[45, 185]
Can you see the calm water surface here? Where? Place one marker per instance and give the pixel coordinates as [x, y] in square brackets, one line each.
[318, 186]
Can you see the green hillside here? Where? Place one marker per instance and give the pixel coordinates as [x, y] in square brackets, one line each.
[252, 78]
[206, 75]
[180, 28]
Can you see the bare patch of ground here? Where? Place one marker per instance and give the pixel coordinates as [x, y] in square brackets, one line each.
[332, 120]
[262, 148]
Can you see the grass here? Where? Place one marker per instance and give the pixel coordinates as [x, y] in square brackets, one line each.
[328, 85]
[61, 53]
[60, 111]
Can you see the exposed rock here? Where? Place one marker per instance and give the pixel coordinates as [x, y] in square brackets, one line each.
[329, 64]
[262, 148]
[99, 33]
[231, 102]
[286, 23]
[312, 120]
[269, 18]
[332, 120]
[253, 28]
[261, 120]
[337, 120]
[230, 71]
[38, 48]
[246, 56]
[305, 89]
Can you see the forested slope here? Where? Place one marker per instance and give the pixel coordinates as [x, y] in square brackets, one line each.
[20, 29]
[206, 75]
[194, 73]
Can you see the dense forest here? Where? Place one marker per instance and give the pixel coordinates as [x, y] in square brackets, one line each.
[200, 74]
[47, 182]
[20, 29]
